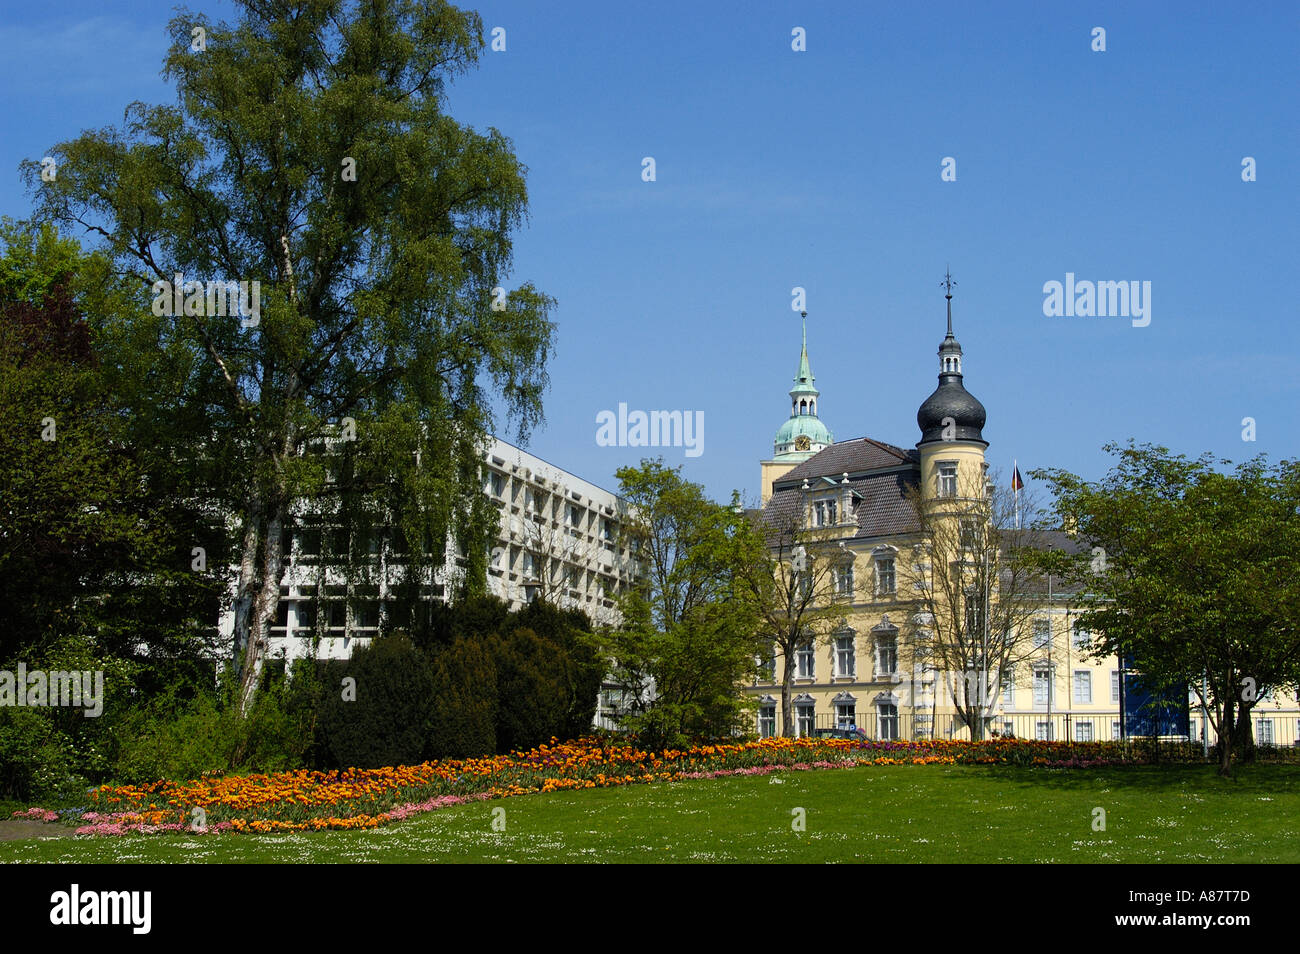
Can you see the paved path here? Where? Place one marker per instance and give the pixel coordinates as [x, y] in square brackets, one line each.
[16, 829]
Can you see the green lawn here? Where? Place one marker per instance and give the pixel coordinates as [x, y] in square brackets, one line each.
[888, 813]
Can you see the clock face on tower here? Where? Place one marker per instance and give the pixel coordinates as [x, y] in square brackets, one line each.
[801, 443]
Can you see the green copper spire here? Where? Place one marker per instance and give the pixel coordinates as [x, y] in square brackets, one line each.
[804, 378]
[803, 434]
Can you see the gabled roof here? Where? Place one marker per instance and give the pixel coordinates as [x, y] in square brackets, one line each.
[880, 476]
[854, 457]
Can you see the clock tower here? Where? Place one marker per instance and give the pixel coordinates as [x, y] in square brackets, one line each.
[803, 434]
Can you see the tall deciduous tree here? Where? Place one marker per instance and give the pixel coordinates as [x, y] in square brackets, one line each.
[1193, 572]
[789, 573]
[978, 579]
[310, 153]
[688, 635]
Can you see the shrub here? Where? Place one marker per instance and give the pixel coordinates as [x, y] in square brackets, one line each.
[532, 694]
[464, 701]
[389, 720]
[36, 759]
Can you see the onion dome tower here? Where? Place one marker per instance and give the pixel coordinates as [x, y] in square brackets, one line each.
[952, 421]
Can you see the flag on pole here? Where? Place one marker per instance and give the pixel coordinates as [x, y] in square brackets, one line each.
[1017, 485]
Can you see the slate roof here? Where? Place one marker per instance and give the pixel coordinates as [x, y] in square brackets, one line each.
[879, 473]
[855, 456]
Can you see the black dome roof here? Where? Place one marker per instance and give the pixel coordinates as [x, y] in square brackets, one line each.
[951, 400]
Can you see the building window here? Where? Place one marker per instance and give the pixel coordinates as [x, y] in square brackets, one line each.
[767, 666]
[886, 656]
[1008, 688]
[1043, 731]
[497, 483]
[844, 661]
[1082, 686]
[804, 719]
[767, 721]
[947, 480]
[885, 581]
[575, 516]
[804, 660]
[1264, 735]
[1042, 633]
[969, 535]
[1081, 637]
[1008, 729]
[825, 513]
[1114, 685]
[607, 529]
[887, 714]
[1116, 730]
[1043, 694]
[846, 715]
[842, 580]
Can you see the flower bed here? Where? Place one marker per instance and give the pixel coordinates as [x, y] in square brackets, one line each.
[366, 798]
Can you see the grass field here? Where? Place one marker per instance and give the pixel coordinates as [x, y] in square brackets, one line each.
[904, 813]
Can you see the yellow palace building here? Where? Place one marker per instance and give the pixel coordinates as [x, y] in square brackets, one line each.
[890, 655]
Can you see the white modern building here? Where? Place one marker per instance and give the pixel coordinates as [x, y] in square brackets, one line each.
[559, 538]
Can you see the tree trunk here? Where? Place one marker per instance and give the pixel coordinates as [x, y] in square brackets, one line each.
[264, 607]
[243, 606]
[1224, 729]
[1243, 733]
[787, 703]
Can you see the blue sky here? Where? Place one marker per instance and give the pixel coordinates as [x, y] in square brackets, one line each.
[821, 169]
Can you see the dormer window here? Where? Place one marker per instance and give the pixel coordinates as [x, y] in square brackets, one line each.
[824, 514]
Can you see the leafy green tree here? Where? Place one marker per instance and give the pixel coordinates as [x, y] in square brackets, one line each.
[93, 547]
[309, 152]
[688, 638]
[1193, 572]
[786, 573]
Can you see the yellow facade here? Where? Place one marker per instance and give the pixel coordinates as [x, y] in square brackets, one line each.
[868, 668]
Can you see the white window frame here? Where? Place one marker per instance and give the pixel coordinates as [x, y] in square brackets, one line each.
[1048, 681]
[1079, 637]
[946, 472]
[1086, 685]
[805, 653]
[805, 717]
[1081, 728]
[883, 644]
[886, 721]
[841, 669]
[886, 575]
[846, 715]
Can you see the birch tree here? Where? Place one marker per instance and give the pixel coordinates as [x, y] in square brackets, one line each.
[309, 160]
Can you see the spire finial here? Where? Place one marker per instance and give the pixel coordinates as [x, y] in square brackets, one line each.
[804, 316]
[948, 285]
